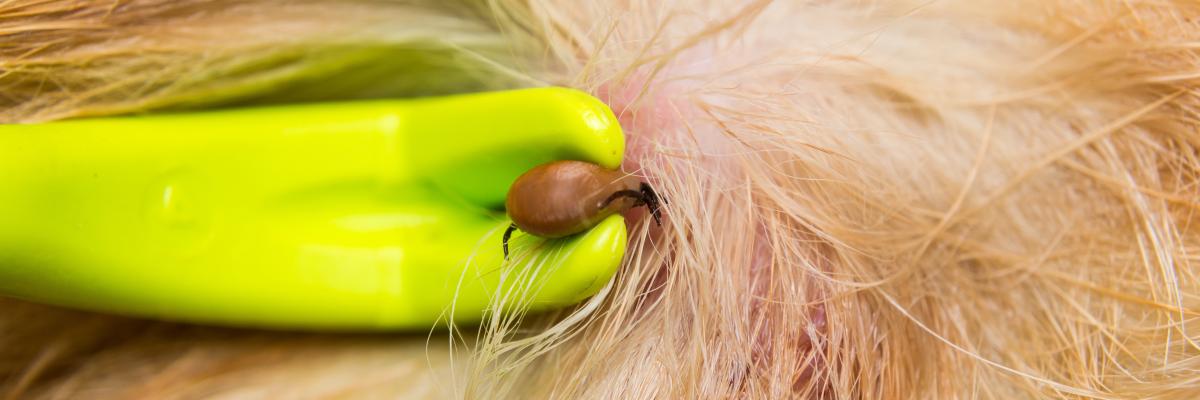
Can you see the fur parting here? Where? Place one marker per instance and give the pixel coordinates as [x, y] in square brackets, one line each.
[903, 199]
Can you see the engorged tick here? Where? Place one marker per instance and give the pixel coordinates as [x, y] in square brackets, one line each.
[562, 198]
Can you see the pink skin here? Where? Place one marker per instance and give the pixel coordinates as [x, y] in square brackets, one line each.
[657, 116]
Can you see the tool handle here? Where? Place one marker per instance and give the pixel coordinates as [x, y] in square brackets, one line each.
[376, 214]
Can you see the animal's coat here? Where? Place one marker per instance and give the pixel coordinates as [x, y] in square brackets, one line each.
[905, 199]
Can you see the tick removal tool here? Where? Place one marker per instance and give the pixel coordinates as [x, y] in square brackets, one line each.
[366, 215]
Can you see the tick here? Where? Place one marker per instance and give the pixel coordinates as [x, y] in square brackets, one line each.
[562, 198]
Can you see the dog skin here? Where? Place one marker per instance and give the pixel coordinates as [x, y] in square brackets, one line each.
[868, 199]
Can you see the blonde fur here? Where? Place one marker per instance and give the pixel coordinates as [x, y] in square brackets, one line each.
[905, 199]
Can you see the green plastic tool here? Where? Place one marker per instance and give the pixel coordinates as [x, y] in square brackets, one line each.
[363, 215]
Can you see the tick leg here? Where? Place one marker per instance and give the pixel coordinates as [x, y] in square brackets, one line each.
[645, 197]
[508, 234]
[624, 193]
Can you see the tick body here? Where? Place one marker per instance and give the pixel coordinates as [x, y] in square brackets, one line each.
[563, 198]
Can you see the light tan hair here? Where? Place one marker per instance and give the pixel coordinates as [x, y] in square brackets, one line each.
[878, 200]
